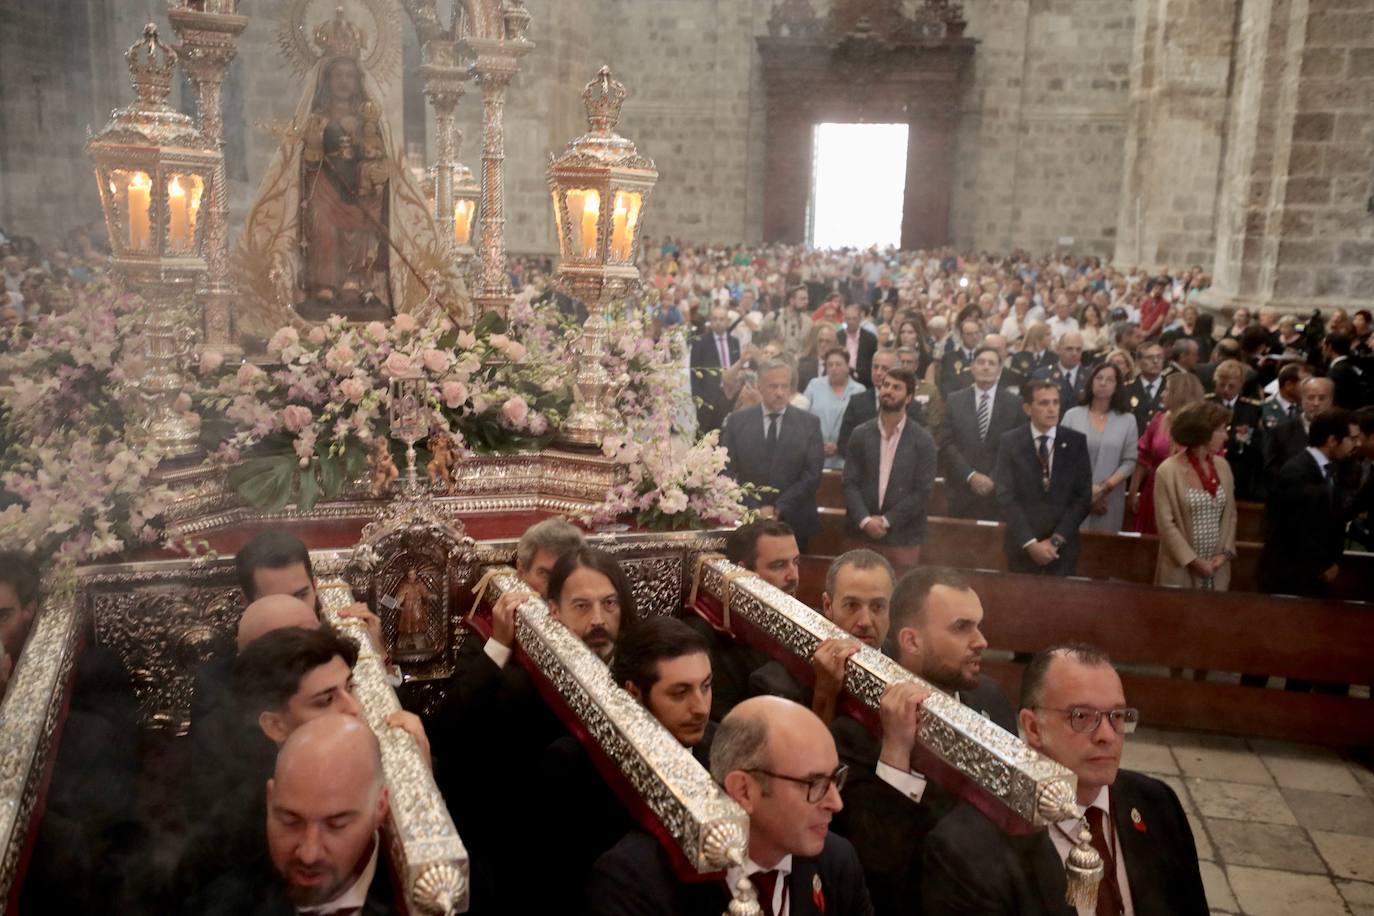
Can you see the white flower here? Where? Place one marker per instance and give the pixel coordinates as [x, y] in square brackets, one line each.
[672, 501]
[285, 337]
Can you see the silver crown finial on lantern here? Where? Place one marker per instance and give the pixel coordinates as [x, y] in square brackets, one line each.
[604, 97]
[151, 64]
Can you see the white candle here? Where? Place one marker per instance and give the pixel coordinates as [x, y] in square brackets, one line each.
[140, 190]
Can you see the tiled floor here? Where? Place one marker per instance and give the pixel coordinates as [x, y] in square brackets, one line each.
[1281, 829]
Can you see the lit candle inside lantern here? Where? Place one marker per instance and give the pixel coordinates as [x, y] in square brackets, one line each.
[591, 210]
[140, 191]
[462, 221]
[179, 225]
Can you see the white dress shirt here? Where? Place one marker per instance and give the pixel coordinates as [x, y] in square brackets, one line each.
[1076, 825]
[496, 652]
[782, 906]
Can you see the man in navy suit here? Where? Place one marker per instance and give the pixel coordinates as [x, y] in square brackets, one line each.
[1304, 517]
[860, 343]
[775, 445]
[1069, 375]
[1044, 486]
[713, 354]
[778, 762]
[1073, 710]
[975, 420]
[889, 473]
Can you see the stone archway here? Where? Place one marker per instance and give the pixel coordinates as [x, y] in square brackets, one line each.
[864, 62]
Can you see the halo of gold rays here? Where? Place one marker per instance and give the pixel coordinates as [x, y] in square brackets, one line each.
[382, 45]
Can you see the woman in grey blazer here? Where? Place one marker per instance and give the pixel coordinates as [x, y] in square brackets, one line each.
[1104, 416]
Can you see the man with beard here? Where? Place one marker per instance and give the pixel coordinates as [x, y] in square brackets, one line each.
[777, 761]
[326, 803]
[858, 586]
[889, 808]
[1073, 710]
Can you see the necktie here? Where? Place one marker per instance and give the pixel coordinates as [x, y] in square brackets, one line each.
[1044, 452]
[1330, 470]
[772, 436]
[1292, 411]
[1109, 901]
[724, 353]
[1070, 378]
[765, 882]
[984, 415]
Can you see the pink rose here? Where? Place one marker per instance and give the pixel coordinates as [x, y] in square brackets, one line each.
[340, 358]
[210, 361]
[376, 330]
[436, 361]
[455, 393]
[317, 335]
[286, 337]
[295, 417]
[247, 374]
[396, 364]
[404, 323]
[515, 410]
[515, 351]
[466, 340]
[353, 389]
[499, 341]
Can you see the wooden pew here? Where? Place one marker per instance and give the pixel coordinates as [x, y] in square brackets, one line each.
[1142, 625]
[1127, 557]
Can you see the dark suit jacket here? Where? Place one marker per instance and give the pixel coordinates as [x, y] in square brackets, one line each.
[1026, 363]
[972, 867]
[1033, 513]
[962, 452]
[1142, 405]
[1245, 454]
[909, 484]
[952, 369]
[636, 879]
[1281, 443]
[1304, 530]
[706, 381]
[862, 370]
[1069, 395]
[792, 468]
[864, 407]
[774, 680]
[888, 830]
[1349, 382]
[808, 367]
[1009, 379]
[732, 661]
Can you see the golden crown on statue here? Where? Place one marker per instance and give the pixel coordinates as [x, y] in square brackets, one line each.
[340, 38]
[603, 98]
[151, 63]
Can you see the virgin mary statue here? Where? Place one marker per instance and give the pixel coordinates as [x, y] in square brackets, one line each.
[339, 227]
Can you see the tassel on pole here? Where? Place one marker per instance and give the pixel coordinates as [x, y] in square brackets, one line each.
[1083, 870]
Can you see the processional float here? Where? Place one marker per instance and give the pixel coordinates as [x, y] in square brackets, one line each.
[163, 189]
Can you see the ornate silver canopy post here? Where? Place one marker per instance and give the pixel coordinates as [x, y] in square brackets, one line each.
[428, 854]
[209, 39]
[497, 52]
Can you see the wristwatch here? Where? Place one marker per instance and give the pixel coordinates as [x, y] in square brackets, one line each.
[1057, 541]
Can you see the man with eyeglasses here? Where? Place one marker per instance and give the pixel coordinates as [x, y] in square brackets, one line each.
[777, 760]
[1073, 710]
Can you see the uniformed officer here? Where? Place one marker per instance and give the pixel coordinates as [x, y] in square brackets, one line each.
[1245, 434]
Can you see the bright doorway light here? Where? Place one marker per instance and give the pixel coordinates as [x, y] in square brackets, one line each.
[858, 179]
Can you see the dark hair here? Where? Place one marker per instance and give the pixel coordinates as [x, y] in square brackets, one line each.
[1293, 372]
[906, 377]
[1029, 389]
[269, 550]
[268, 671]
[1181, 347]
[1334, 421]
[1253, 339]
[825, 357]
[858, 558]
[1365, 418]
[654, 640]
[585, 557]
[1339, 342]
[742, 544]
[1119, 402]
[908, 602]
[1033, 678]
[19, 571]
[1197, 421]
[986, 349]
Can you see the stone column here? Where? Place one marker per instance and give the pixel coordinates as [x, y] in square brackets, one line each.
[1175, 132]
[1294, 229]
[209, 42]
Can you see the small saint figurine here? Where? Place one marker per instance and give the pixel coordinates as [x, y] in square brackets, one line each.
[412, 632]
[442, 459]
[384, 471]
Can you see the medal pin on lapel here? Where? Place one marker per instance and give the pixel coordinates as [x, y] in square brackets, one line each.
[817, 895]
[1137, 821]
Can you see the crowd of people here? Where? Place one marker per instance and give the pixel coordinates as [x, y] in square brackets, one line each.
[41, 280]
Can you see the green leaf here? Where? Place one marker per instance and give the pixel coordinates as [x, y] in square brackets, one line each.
[309, 489]
[490, 323]
[332, 474]
[265, 482]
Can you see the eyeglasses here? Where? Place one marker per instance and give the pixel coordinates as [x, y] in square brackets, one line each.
[816, 786]
[1086, 719]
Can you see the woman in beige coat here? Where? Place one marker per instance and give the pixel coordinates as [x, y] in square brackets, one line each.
[1195, 503]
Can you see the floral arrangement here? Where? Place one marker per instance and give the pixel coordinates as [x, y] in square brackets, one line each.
[74, 473]
[302, 428]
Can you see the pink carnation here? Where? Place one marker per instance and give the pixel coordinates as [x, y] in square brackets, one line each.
[515, 351]
[376, 330]
[317, 335]
[340, 358]
[436, 361]
[295, 417]
[210, 361]
[396, 364]
[285, 337]
[353, 389]
[455, 393]
[404, 322]
[515, 410]
[499, 341]
[247, 374]
[467, 340]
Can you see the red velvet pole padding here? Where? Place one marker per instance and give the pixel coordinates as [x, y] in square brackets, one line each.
[608, 768]
[934, 768]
